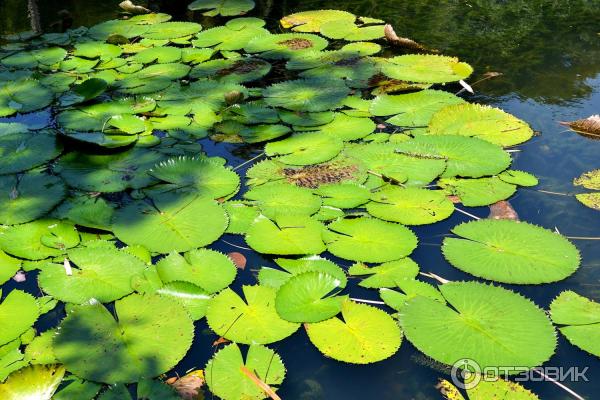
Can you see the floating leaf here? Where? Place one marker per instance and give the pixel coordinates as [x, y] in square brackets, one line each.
[235, 35]
[340, 29]
[275, 278]
[591, 200]
[307, 95]
[101, 50]
[484, 122]
[369, 240]
[286, 235]
[241, 216]
[169, 223]
[410, 206]
[38, 239]
[311, 21]
[29, 196]
[305, 149]
[225, 8]
[503, 210]
[426, 68]
[9, 266]
[254, 321]
[589, 180]
[171, 30]
[579, 320]
[511, 252]
[347, 128]
[277, 199]
[285, 45]
[308, 297]
[85, 210]
[343, 195]
[385, 275]
[23, 96]
[90, 332]
[520, 178]
[200, 176]
[37, 382]
[500, 389]
[589, 126]
[193, 298]
[205, 268]
[410, 288]
[496, 327]
[18, 313]
[365, 335]
[234, 70]
[226, 378]
[97, 273]
[478, 192]
[413, 109]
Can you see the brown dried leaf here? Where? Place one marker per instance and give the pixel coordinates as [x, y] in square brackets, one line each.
[503, 210]
[396, 40]
[265, 388]
[189, 387]
[238, 259]
[589, 126]
[220, 341]
[454, 199]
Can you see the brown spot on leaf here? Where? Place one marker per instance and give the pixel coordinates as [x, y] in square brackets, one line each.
[296, 44]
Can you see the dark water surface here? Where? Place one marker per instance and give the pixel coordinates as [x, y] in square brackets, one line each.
[549, 53]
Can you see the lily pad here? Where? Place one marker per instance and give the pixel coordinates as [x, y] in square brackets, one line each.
[18, 313]
[226, 379]
[225, 8]
[285, 45]
[511, 252]
[170, 223]
[286, 235]
[311, 21]
[253, 321]
[478, 192]
[485, 122]
[309, 297]
[90, 332]
[589, 180]
[369, 240]
[365, 335]
[496, 327]
[38, 382]
[275, 278]
[171, 30]
[426, 68]
[276, 199]
[307, 95]
[38, 239]
[578, 319]
[386, 274]
[23, 96]
[305, 149]
[410, 206]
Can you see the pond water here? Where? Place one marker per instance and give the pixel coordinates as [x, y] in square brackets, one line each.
[549, 54]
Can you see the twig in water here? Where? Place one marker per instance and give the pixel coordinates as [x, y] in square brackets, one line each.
[367, 301]
[549, 192]
[583, 238]
[466, 213]
[434, 276]
[557, 383]
[235, 245]
[249, 161]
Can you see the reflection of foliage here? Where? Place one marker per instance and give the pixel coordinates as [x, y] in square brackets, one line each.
[546, 49]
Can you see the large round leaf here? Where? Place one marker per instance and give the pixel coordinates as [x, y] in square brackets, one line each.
[18, 313]
[410, 206]
[171, 30]
[579, 320]
[151, 335]
[286, 235]
[426, 68]
[97, 273]
[309, 297]
[208, 269]
[254, 321]
[478, 192]
[275, 199]
[494, 326]
[29, 196]
[369, 240]
[37, 382]
[170, 223]
[38, 239]
[23, 96]
[285, 45]
[311, 21]
[484, 122]
[511, 252]
[23, 151]
[307, 94]
[385, 275]
[365, 335]
[225, 8]
[305, 149]
[276, 278]
[227, 372]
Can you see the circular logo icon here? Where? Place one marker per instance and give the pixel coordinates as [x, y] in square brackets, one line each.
[466, 373]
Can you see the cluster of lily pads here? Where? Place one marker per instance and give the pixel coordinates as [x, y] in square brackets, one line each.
[108, 195]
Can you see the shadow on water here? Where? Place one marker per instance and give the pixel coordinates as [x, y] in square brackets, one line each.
[549, 53]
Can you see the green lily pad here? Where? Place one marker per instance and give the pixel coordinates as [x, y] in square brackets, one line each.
[9, 266]
[485, 122]
[591, 200]
[254, 321]
[38, 239]
[410, 206]
[29, 196]
[342, 30]
[410, 288]
[171, 30]
[275, 199]
[35, 58]
[426, 68]
[90, 332]
[365, 335]
[589, 180]
[305, 149]
[207, 269]
[511, 252]
[344, 195]
[413, 109]
[347, 128]
[308, 297]
[285, 45]
[275, 278]
[369, 240]
[478, 192]
[23, 96]
[160, 55]
[286, 235]
[233, 36]
[578, 319]
[241, 216]
[307, 95]
[225, 8]
[311, 21]
[18, 313]
[385, 275]
[233, 70]
[97, 273]
[101, 50]
[496, 327]
[226, 379]
[520, 178]
[38, 382]
[201, 176]
[170, 223]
